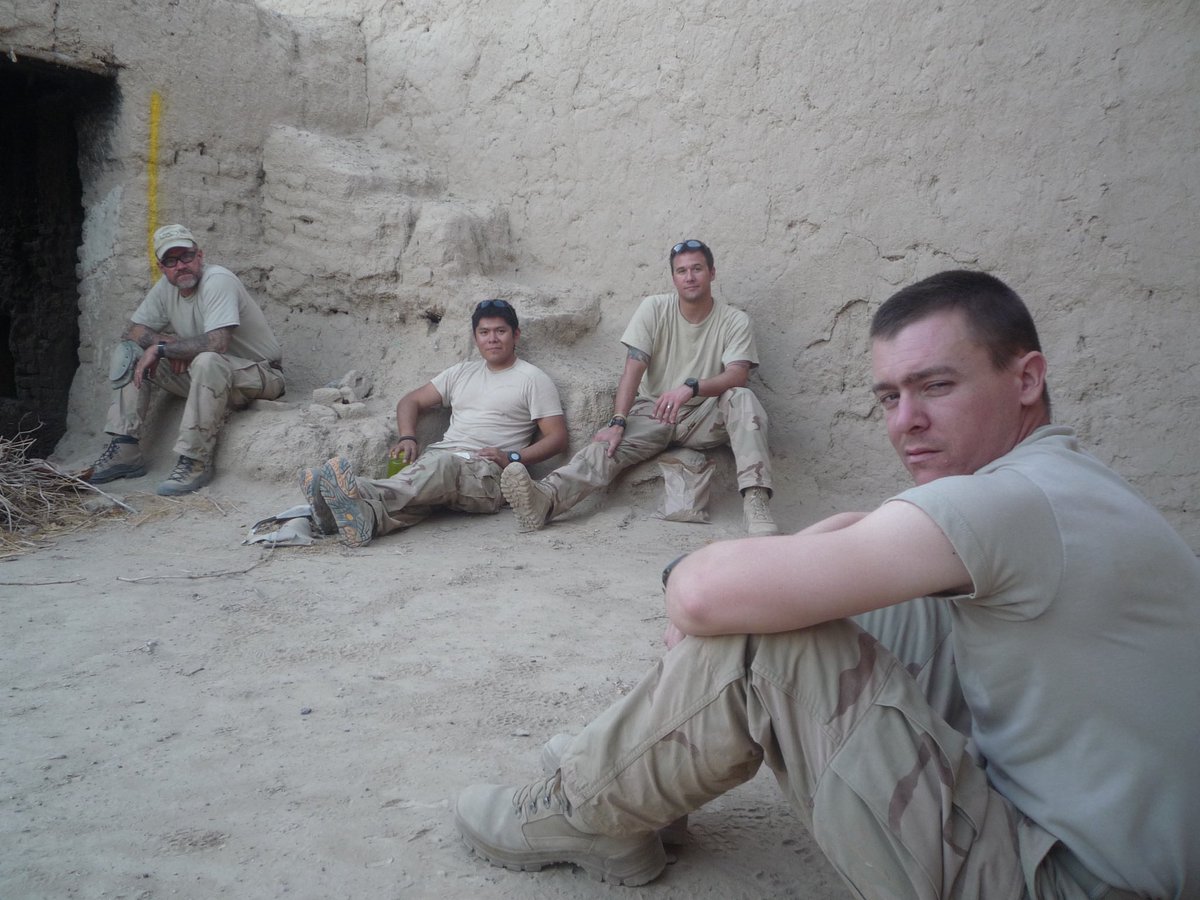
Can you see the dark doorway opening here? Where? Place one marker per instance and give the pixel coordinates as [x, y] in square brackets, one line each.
[41, 229]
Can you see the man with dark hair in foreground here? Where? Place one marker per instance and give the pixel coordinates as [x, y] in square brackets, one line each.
[1072, 610]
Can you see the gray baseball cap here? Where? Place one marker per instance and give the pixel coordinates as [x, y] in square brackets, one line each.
[172, 236]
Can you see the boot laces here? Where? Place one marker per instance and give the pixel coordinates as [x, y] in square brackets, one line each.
[547, 793]
[758, 507]
[183, 469]
[109, 452]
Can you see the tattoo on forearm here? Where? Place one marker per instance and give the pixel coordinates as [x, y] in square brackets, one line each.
[139, 334]
[216, 340]
[187, 347]
[640, 356]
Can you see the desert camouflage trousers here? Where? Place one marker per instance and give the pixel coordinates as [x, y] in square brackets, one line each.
[212, 384]
[438, 478]
[887, 788]
[735, 418]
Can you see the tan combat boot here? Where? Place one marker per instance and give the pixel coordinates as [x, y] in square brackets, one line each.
[528, 828]
[122, 458]
[530, 501]
[756, 505]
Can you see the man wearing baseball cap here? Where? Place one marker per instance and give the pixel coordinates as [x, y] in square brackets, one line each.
[198, 335]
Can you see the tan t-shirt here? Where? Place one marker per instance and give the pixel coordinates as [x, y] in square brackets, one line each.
[219, 300]
[679, 350]
[494, 409]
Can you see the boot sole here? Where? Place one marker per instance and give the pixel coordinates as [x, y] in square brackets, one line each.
[176, 489]
[632, 869]
[340, 493]
[309, 483]
[118, 472]
[517, 488]
[761, 529]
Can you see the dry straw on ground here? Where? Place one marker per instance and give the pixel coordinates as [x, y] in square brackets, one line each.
[39, 501]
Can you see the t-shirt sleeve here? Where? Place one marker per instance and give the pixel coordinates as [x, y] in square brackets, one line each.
[151, 312]
[444, 382]
[1004, 530]
[739, 343]
[219, 307]
[639, 333]
[543, 397]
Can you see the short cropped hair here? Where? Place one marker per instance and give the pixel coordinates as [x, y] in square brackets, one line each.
[997, 318]
[495, 309]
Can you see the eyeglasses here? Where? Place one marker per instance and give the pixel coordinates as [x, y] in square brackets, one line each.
[687, 245]
[498, 304]
[170, 262]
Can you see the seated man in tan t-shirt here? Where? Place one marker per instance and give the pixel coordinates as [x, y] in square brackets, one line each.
[197, 334]
[503, 411]
[684, 384]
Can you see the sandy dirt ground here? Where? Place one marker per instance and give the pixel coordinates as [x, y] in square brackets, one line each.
[187, 716]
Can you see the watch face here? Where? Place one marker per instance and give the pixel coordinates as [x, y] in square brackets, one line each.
[514, 456]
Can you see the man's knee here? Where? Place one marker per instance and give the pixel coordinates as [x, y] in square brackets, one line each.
[208, 363]
[742, 408]
[831, 648]
[592, 456]
[210, 371]
[780, 653]
[433, 468]
[122, 361]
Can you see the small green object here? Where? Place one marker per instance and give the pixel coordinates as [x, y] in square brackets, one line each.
[395, 464]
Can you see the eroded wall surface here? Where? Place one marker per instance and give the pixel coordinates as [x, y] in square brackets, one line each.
[374, 169]
[832, 152]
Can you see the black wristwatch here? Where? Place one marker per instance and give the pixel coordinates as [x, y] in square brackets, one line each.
[514, 456]
[616, 420]
[666, 573]
[694, 384]
[162, 349]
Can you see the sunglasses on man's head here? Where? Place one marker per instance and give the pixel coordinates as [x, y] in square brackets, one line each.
[498, 304]
[171, 262]
[686, 245]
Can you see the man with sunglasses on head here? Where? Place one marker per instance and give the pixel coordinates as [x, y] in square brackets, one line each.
[684, 384]
[199, 335]
[503, 412]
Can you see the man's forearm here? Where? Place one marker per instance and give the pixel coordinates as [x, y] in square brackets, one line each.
[216, 341]
[539, 451]
[631, 376]
[734, 375]
[141, 335]
[552, 440]
[191, 347]
[623, 402]
[408, 413]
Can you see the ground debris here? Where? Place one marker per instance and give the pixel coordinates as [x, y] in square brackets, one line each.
[38, 500]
